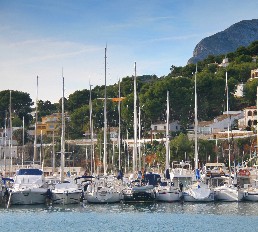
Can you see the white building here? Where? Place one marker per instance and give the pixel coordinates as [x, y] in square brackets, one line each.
[224, 63]
[239, 90]
[249, 119]
[160, 128]
[219, 123]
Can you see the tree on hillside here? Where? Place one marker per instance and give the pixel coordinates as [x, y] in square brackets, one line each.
[20, 104]
[46, 108]
[181, 148]
[250, 91]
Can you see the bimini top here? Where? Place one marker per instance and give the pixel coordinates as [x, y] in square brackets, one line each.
[30, 171]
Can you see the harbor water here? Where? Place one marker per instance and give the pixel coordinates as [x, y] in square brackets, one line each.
[242, 216]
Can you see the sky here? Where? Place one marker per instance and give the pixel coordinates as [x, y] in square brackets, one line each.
[51, 38]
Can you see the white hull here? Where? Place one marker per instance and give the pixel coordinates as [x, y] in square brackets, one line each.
[198, 193]
[228, 193]
[66, 193]
[188, 197]
[28, 196]
[29, 188]
[66, 198]
[103, 196]
[168, 194]
[251, 195]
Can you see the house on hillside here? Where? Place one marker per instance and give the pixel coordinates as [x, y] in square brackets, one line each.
[254, 73]
[49, 125]
[158, 129]
[224, 63]
[239, 90]
[219, 124]
[249, 119]
[240, 87]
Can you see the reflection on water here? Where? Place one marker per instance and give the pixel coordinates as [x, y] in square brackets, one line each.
[225, 208]
[132, 217]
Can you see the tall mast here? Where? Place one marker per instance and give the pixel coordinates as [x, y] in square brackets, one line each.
[11, 133]
[229, 149]
[53, 153]
[167, 131]
[36, 122]
[105, 118]
[62, 138]
[139, 144]
[196, 123]
[91, 134]
[135, 123]
[257, 120]
[23, 134]
[119, 128]
[5, 142]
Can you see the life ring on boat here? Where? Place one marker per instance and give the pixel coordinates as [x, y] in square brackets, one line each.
[247, 173]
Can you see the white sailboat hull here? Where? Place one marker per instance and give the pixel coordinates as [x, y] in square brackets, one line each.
[103, 196]
[198, 192]
[168, 194]
[228, 193]
[251, 195]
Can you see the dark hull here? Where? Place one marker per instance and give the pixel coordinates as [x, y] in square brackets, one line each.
[139, 197]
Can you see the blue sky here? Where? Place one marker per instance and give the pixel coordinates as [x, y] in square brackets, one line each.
[40, 37]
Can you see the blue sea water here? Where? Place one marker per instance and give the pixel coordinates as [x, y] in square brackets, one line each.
[242, 216]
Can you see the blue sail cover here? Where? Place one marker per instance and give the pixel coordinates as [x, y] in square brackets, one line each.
[167, 175]
[197, 174]
[153, 179]
[30, 172]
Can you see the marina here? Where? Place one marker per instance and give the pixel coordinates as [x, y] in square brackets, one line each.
[105, 143]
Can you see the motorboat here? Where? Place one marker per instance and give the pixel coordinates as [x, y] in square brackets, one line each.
[141, 189]
[29, 187]
[65, 193]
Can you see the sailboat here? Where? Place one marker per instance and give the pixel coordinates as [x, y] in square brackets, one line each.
[166, 191]
[198, 191]
[140, 189]
[228, 191]
[103, 189]
[66, 191]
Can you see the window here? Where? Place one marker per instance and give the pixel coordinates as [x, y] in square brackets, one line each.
[155, 127]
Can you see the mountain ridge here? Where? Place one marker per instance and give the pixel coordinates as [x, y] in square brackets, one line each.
[239, 34]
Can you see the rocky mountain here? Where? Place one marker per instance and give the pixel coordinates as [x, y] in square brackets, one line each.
[239, 34]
